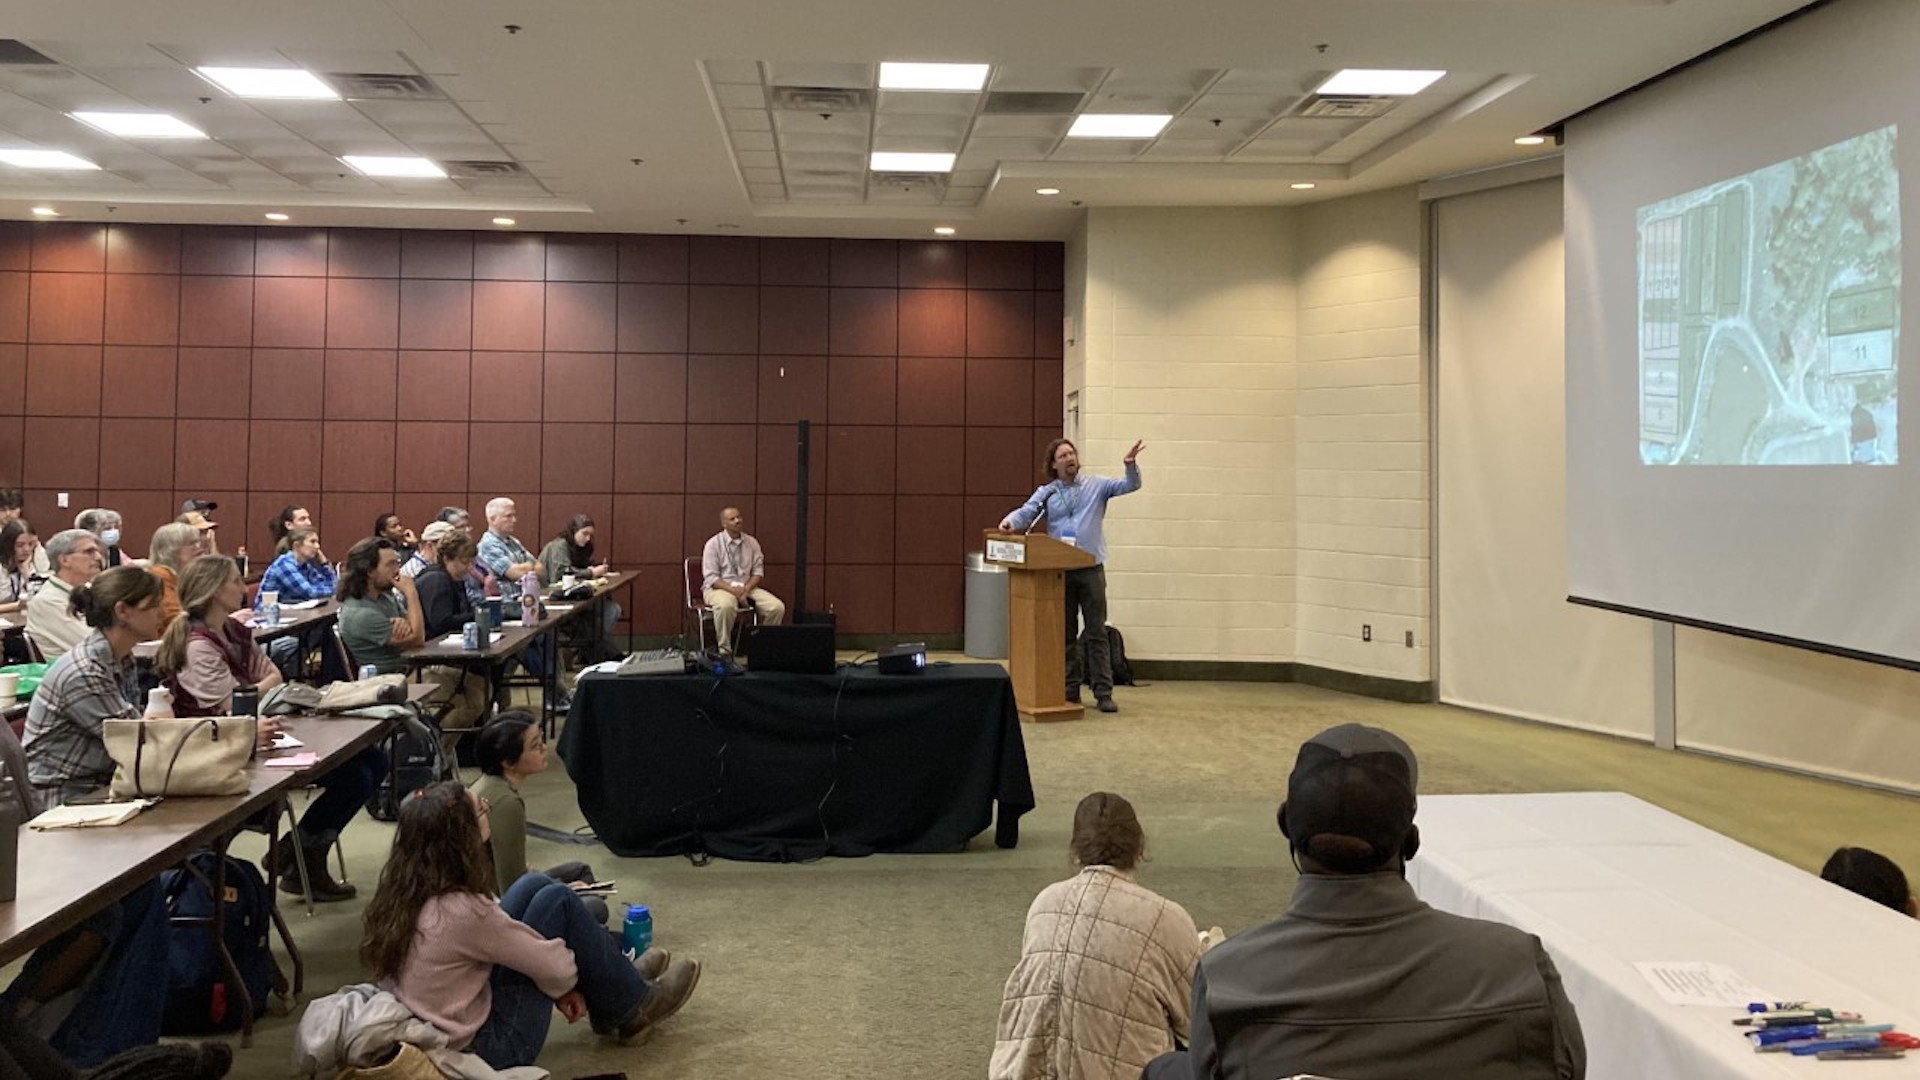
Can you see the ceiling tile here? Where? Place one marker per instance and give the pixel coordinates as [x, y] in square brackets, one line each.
[844, 76]
[749, 120]
[1258, 81]
[732, 71]
[1002, 126]
[735, 96]
[1044, 79]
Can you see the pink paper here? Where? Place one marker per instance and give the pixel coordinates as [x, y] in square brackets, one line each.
[294, 761]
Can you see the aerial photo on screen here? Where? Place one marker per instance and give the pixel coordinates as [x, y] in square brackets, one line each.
[1770, 314]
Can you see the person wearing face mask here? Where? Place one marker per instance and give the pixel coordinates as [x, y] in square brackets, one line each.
[104, 524]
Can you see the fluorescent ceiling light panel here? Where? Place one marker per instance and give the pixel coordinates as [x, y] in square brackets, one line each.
[140, 125]
[1118, 125]
[269, 83]
[958, 78]
[46, 211]
[894, 161]
[393, 166]
[43, 159]
[1383, 81]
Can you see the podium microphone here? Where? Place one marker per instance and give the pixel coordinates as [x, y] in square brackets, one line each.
[1042, 516]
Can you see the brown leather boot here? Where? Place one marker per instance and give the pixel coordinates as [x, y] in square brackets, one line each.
[325, 889]
[665, 996]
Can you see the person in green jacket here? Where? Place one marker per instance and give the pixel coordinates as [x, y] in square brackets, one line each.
[510, 749]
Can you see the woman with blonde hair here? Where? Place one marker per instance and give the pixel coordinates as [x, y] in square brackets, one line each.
[173, 546]
[1105, 977]
[204, 657]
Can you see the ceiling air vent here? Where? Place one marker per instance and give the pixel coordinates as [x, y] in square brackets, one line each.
[1032, 103]
[1347, 107]
[19, 52]
[908, 181]
[485, 170]
[375, 86]
[821, 99]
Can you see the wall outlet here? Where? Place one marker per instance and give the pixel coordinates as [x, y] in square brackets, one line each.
[1366, 632]
[60, 500]
[1409, 639]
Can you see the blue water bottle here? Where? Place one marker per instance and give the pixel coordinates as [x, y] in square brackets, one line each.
[638, 931]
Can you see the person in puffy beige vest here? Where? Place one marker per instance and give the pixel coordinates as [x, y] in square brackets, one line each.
[1105, 975]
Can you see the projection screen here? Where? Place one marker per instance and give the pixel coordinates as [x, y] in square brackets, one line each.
[1736, 358]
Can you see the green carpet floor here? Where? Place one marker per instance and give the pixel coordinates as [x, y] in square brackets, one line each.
[891, 966]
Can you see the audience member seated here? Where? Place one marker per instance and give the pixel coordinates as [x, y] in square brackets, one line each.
[389, 526]
[10, 511]
[380, 614]
[456, 517]
[444, 610]
[290, 517]
[76, 555]
[93, 682]
[510, 749]
[18, 579]
[1873, 876]
[301, 572]
[1360, 979]
[502, 552]
[104, 524]
[488, 972]
[174, 545]
[427, 553]
[207, 528]
[731, 566]
[1106, 967]
[570, 554]
[205, 656]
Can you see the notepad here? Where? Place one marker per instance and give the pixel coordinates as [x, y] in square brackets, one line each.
[89, 816]
[294, 761]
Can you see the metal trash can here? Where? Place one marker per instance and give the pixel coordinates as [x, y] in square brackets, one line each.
[986, 608]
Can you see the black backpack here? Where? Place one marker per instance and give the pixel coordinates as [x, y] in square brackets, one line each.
[417, 762]
[201, 996]
[1117, 658]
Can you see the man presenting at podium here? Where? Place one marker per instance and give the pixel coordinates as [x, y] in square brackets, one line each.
[1076, 510]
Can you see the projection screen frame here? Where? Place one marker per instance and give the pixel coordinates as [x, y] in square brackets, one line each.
[1749, 633]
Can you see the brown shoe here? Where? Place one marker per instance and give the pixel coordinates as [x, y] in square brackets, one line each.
[665, 996]
[653, 963]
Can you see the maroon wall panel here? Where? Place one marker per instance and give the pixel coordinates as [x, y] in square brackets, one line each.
[648, 381]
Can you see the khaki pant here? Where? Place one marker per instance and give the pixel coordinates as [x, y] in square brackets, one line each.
[726, 607]
[469, 697]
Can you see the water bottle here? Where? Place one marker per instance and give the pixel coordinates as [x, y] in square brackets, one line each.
[368, 671]
[159, 704]
[529, 598]
[246, 700]
[470, 637]
[240, 560]
[273, 611]
[482, 626]
[638, 932]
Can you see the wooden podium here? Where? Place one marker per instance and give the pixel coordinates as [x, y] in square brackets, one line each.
[1036, 640]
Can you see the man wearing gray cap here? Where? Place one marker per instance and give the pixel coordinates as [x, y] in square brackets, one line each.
[1360, 979]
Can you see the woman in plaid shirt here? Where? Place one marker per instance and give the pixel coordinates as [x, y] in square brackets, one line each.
[301, 572]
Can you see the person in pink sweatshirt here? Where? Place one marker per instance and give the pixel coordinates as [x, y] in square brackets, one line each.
[488, 972]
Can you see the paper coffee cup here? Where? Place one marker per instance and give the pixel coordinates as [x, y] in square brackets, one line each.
[269, 596]
[9, 689]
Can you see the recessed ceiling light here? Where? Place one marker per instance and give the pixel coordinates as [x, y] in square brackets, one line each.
[276, 216]
[1046, 191]
[377, 165]
[43, 159]
[894, 161]
[960, 78]
[943, 230]
[140, 125]
[503, 221]
[1378, 81]
[269, 83]
[46, 211]
[1530, 140]
[1117, 125]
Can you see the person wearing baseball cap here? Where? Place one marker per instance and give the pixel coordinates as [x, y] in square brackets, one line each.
[427, 552]
[1361, 979]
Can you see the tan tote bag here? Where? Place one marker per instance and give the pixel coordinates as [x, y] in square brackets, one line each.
[201, 755]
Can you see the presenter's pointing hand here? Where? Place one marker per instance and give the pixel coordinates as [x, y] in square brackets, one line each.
[1138, 446]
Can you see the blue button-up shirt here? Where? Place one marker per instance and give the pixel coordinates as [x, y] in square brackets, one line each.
[1078, 509]
[296, 581]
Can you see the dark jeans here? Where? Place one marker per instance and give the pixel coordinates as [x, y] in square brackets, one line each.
[121, 999]
[1087, 603]
[516, 1028]
[343, 791]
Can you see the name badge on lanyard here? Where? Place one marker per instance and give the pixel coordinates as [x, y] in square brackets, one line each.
[1067, 525]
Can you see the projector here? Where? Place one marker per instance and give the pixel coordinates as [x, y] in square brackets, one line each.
[909, 658]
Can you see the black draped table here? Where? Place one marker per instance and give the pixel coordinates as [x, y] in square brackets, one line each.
[776, 767]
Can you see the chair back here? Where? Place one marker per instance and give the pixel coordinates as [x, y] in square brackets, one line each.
[34, 655]
[690, 577]
[346, 655]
